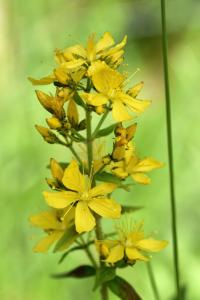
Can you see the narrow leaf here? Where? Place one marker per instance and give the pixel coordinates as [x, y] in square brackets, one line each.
[130, 209]
[67, 238]
[123, 289]
[78, 100]
[106, 131]
[79, 272]
[103, 275]
[107, 177]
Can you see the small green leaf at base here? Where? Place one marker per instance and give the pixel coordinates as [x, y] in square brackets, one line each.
[123, 289]
[130, 209]
[106, 131]
[103, 275]
[67, 239]
[79, 272]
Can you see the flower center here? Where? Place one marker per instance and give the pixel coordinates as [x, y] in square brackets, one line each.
[85, 196]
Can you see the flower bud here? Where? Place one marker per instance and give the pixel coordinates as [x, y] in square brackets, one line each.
[100, 109]
[118, 153]
[54, 123]
[45, 100]
[130, 131]
[134, 91]
[72, 113]
[56, 169]
[82, 125]
[47, 134]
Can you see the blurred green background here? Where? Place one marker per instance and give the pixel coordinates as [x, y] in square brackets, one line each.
[30, 31]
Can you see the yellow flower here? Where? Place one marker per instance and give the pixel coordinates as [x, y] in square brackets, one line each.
[109, 84]
[131, 245]
[136, 168]
[54, 226]
[85, 198]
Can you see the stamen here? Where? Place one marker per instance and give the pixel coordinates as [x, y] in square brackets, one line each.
[62, 218]
[131, 76]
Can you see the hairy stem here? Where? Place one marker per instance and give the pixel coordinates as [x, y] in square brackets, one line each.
[170, 148]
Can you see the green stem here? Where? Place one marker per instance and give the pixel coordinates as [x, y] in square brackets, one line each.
[89, 254]
[75, 154]
[152, 281]
[100, 123]
[98, 230]
[170, 148]
[82, 139]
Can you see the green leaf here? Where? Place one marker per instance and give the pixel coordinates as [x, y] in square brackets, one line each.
[123, 289]
[130, 209]
[78, 100]
[74, 249]
[106, 131]
[67, 239]
[103, 275]
[79, 272]
[107, 177]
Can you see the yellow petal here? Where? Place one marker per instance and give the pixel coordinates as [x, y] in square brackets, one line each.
[134, 91]
[135, 105]
[74, 51]
[45, 220]
[56, 169]
[61, 75]
[151, 245]
[91, 49]
[44, 244]
[84, 220]
[43, 81]
[147, 164]
[94, 99]
[107, 208]
[141, 178]
[107, 79]
[105, 42]
[116, 254]
[72, 178]
[102, 189]
[96, 66]
[60, 199]
[134, 254]
[119, 112]
[73, 64]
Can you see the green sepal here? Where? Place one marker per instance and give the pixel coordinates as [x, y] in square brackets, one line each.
[130, 209]
[123, 289]
[79, 101]
[106, 131]
[79, 272]
[103, 275]
[66, 240]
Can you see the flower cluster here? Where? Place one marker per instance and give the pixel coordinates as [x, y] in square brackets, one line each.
[86, 78]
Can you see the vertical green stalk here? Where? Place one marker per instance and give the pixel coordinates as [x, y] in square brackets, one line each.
[170, 148]
[99, 234]
[153, 281]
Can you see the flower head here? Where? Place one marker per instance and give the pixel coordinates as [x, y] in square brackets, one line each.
[52, 223]
[131, 245]
[86, 199]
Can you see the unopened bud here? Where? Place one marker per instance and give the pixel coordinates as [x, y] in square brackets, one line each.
[45, 100]
[118, 153]
[130, 131]
[54, 123]
[47, 134]
[72, 113]
[82, 125]
[134, 91]
[56, 169]
[100, 109]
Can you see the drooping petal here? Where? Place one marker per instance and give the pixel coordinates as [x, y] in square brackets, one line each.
[146, 165]
[151, 245]
[134, 254]
[45, 243]
[74, 51]
[73, 64]
[105, 42]
[135, 105]
[43, 81]
[116, 254]
[119, 112]
[103, 189]
[141, 178]
[94, 99]
[134, 91]
[84, 220]
[107, 208]
[60, 199]
[45, 220]
[72, 178]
